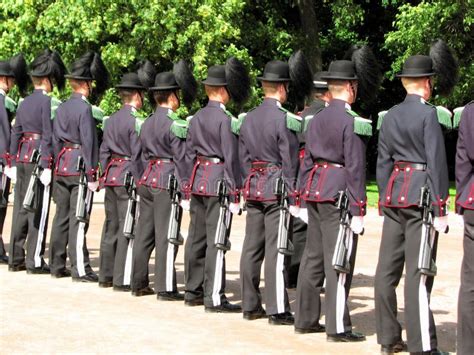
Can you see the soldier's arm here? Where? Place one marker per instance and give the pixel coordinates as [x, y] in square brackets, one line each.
[178, 147]
[16, 133]
[104, 153]
[4, 135]
[46, 145]
[354, 158]
[244, 157]
[463, 162]
[384, 162]
[136, 165]
[229, 147]
[288, 147]
[89, 143]
[189, 159]
[57, 143]
[437, 167]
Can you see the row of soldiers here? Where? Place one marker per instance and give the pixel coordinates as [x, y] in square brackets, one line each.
[288, 169]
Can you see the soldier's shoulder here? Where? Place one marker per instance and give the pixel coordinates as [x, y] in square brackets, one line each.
[362, 126]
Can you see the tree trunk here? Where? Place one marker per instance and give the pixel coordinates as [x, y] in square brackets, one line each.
[310, 29]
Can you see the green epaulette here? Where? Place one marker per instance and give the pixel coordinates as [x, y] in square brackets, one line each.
[235, 122]
[293, 122]
[457, 116]
[99, 116]
[139, 119]
[444, 115]
[10, 104]
[54, 106]
[362, 126]
[307, 119]
[189, 118]
[179, 127]
[380, 118]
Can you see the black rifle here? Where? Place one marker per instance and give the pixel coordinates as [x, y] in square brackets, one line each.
[3, 184]
[340, 261]
[426, 263]
[132, 207]
[174, 224]
[285, 246]
[82, 211]
[29, 200]
[224, 223]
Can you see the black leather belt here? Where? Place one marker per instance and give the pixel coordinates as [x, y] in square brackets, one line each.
[119, 157]
[72, 145]
[32, 135]
[328, 163]
[405, 165]
[212, 160]
[263, 165]
[163, 160]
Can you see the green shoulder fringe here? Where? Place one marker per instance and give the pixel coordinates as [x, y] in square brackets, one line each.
[444, 115]
[139, 119]
[362, 126]
[457, 116]
[293, 122]
[380, 118]
[10, 104]
[235, 123]
[180, 128]
[54, 106]
[307, 119]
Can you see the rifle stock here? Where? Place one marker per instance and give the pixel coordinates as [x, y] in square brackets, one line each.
[29, 200]
[174, 224]
[224, 222]
[426, 263]
[340, 261]
[132, 210]
[285, 246]
[82, 214]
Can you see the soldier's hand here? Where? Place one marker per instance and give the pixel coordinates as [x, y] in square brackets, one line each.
[46, 176]
[185, 204]
[441, 224]
[234, 208]
[93, 186]
[11, 173]
[357, 224]
[304, 215]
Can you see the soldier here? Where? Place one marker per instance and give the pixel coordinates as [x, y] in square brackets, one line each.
[320, 99]
[465, 206]
[12, 71]
[334, 162]
[211, 147]
[75, 139]
[33, 131]
[163, 140]
[411, 155]
[120, 153]
[268, 150]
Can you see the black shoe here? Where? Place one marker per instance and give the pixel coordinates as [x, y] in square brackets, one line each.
[345, 337]
[194, 302]
[39, 270]
[318, 329]
[19, 267]
[224, 307]
[105, 284]
[397, 347]
[256, 314]
[122, 288]
[61, 274]
[89, 277]
[170, 296]
[281, 319]
[3, 259]
[146, 291]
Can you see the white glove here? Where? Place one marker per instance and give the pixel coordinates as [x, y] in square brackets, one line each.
[45, 177]
[294, 211]
[93, 186]
[234, 208]
[357, 224]
[11, 173]
[304, 215]
[440, 224]
[186, 204]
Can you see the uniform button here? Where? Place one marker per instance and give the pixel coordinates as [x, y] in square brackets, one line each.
[247, 191]
[317, 192]
[388, 198]
[397, 169]
[403, 198]
[202, 188]
[407, 169]
[470, 199]
[258, 192]
[113, 178]
[307, 191]
[154, 179]
[325, 166]
[207, 163]
[65, 169]
[26, 156]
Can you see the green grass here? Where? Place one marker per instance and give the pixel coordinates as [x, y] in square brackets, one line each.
[373, 194]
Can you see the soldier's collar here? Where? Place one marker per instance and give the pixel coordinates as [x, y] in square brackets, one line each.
[2, 92]
[222, 106]
[133, 109]
[272, 101]
[347, 106]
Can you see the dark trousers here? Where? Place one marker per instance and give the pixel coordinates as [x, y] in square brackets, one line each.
[27, 226]
[261, 242]
[115, 249]
[299, 241]
[316, 265]
[204, 264]
[68, 235]
[152, 233]
[400, 245]
[465, 334]
[5, 181]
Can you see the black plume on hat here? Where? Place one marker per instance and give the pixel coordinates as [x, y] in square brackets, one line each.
[91, 67]
[300, 74]
[445, 66]
[187, 82]
[146, 73]
[368, 71]
[238, 80]
[20, 70]
[49, 64]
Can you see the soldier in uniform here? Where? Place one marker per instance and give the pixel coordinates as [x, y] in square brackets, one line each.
[268, 150]
[465, 206]
[12, 71]
[163, 140]
[211, 156]
[75, 138]
[33, 130]
[320, 99]
[120, 154]
[334, 162]
[411, 155]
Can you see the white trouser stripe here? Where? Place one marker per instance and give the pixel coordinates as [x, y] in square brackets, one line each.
[280, 283]
[44, 214]
[216, 298]
[341, 290]
[423, 303]
[169, 267]
[80, 239]
[127, 274]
